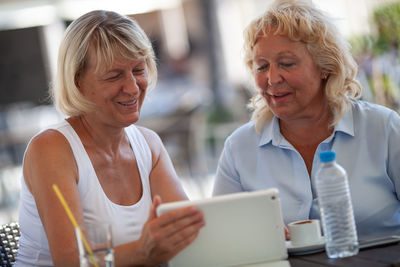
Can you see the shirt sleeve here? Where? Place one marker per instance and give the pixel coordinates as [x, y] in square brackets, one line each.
[227, 179]
[394, 151]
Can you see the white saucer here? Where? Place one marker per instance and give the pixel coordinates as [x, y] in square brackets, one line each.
[306, 249]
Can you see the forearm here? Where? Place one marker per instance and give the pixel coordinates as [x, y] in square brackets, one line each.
[65, 259]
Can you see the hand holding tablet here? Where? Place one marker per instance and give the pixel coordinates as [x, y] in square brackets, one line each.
[241, 228]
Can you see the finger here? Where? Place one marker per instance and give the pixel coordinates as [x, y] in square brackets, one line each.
[182, 223]
[179, 246]
[175, 215]
[185, 236]
[153, 209]
[287, 233]
[176, 243]
[171, 251]
[170, 246]
[157, 201]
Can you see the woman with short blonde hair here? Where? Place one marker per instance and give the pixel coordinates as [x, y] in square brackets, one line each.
[107, 37]
[109, 170]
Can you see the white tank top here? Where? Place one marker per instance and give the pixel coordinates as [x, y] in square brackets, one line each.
[126, 221]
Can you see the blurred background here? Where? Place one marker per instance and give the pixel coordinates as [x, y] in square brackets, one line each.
[203, 87]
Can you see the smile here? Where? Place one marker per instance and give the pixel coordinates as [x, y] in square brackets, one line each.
[277, 95]
[133, 102]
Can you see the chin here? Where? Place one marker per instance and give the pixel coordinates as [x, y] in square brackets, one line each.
[133, 121]
[128, 122]
[282, 115]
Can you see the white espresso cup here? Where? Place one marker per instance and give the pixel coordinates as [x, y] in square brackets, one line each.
[303, 233]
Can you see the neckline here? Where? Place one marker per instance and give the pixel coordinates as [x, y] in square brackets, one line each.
[94, 174]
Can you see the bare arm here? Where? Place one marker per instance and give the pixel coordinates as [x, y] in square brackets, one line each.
[163, 178]
[49, 160]
[165, 236]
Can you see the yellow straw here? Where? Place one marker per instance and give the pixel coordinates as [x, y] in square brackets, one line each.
[72, 218]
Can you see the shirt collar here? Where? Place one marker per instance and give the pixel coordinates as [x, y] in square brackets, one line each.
[272, 133]
[346, 123]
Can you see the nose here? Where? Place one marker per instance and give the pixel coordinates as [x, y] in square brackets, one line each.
[274, 75]
[131, 86]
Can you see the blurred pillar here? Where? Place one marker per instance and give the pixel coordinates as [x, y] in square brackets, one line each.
[175, 32]
[213, 50]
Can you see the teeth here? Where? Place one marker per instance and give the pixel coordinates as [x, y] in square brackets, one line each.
[278, 95]
[128, 103]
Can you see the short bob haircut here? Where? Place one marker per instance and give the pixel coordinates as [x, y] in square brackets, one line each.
[110, 35]
[301, 21]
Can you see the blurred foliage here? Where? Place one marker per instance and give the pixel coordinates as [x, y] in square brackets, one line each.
[386, 18]
[219, 114]
[362, 44]
[378, 55]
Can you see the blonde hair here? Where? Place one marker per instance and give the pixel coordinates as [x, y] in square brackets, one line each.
[109, 34]
[301, 21]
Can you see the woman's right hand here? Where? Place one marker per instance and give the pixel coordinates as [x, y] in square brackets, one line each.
[287, 234]
[165, 236]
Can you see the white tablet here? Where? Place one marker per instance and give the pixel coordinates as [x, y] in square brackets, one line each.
[241, 228]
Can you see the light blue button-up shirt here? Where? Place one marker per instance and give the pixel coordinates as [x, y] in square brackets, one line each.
[367, 145]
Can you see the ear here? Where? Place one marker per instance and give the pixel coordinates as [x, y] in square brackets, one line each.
[324, 74]
[77, 82]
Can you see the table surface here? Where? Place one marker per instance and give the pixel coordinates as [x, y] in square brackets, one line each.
[388, 255]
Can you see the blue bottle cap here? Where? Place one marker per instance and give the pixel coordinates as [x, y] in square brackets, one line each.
[327, 156]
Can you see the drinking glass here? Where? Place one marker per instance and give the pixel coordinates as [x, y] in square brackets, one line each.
[98, 237]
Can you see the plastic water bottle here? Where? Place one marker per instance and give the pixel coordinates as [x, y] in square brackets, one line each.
[336, 208]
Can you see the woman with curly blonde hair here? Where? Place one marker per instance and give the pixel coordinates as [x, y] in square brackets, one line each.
[307, 102]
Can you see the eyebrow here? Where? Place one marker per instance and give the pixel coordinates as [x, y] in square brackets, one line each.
[286, 53]
[279, 55]
[117, 68]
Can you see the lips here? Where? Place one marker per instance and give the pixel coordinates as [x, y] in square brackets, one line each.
[128, 103]
[275, 94]
[279, 95]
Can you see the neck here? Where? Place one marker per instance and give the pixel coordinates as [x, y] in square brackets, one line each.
[96, 134]
[308, 131]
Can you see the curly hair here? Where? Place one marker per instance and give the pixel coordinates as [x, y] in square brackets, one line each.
[301, 21]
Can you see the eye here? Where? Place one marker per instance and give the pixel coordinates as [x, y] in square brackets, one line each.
[112, 76]
[286, 64]
[262, 67]
[139, 71]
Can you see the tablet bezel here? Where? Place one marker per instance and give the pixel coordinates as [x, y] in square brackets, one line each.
[241, 228]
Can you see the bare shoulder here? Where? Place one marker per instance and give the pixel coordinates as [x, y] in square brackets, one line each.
[151, 137]
[48, 154]
[154, 142]
[48, 141]
[163, 178]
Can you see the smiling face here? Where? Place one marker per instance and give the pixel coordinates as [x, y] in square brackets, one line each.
[117, 91]
[288, 78]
